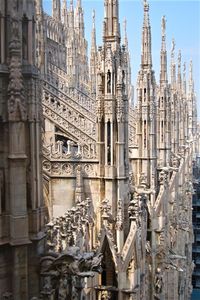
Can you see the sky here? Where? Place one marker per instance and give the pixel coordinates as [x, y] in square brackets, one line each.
[183, 24]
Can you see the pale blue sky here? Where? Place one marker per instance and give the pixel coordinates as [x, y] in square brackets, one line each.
[183, 23]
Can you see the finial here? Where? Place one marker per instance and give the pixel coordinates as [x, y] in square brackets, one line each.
[125, 22]
[78, 3]
[191, 66]
[64, 4]
[190, 70]
[146, 6]
[125, 33]
[173, 47]
[179, 58]
[93, 18]
[184, 67]
[146, 13]
[184, 77]
[163, 24]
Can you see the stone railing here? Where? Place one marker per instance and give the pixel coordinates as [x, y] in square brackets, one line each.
[78, 100]
[132, 127]
[57, 83]
[62, 167]
[59, 152]
[69, 119]
[60, 79]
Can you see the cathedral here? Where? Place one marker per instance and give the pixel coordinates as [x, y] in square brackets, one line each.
[102, 207]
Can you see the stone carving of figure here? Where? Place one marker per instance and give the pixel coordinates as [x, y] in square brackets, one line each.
[108, 82]
[179, 58]
[143, 179]
[163, 25]
[131, 184]
[62, 288]
[184, 67]
[106, 295]
[119, 75]
[158, 282]
[119, 223]
[69, 268]
[173, 47]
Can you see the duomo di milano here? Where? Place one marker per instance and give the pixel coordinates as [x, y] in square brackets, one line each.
[95, 193]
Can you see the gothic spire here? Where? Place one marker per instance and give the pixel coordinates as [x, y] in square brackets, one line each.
[93, 35]
[173, 64]
[179, 80]
[79, 20]
[56, 9]
[146, 59]
[163, 53]
[191, 81]
[111, 20]
[71, 14]
[125, 34]
[93, 54]
[184, 78]
[64, 12]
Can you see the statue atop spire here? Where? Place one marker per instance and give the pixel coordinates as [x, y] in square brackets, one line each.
[184, 69]
[173, 48]
[93, 36]
[179, 58]
[93, 19]
[191, 70]
[173, 64]
[184, 78]
[191, 82]
[179, 70]
[163, 55]
[93, 54]
[146, 13]
[146, 6]
[125, 34]
[163, 26]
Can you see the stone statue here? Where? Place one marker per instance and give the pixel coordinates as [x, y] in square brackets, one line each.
[108, 82]
[120, 216]
[119, 75]
[163, 25]
[179, 58]
[106, 295]
[63, 271]
[158, 282]
[173, 47]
